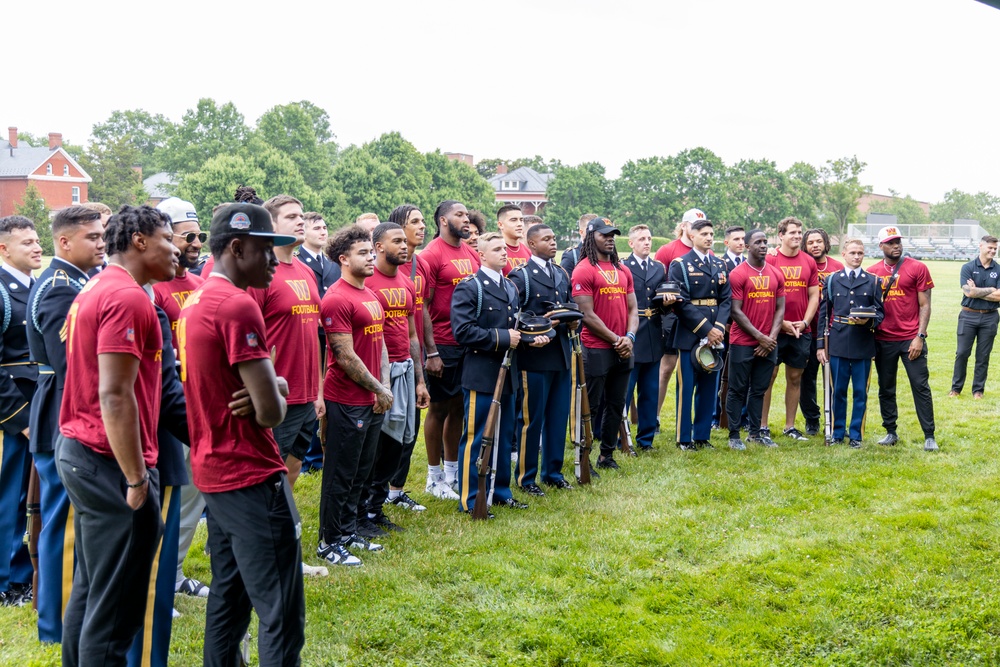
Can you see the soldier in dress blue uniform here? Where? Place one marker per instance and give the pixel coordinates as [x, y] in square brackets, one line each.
[78, 238]
[21, 255]
[702, 313]
[850, 343]
[484, 319]
[647, 273]
[544, 376]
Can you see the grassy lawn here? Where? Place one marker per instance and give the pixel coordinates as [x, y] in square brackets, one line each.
[804, 555]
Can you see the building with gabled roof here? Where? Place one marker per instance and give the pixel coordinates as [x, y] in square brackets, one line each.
[523, 187]
[158, 187]
[60, 180]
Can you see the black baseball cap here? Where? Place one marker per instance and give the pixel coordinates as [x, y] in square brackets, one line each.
[603, 226]
[249, 219]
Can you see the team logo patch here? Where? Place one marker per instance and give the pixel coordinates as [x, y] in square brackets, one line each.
[239, 221]
[252, 339]
[329, 321]
[993, 275]
[578, 286]
[361, 423]
[130, 335]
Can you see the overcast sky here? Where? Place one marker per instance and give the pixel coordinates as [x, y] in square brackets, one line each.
[909, 86]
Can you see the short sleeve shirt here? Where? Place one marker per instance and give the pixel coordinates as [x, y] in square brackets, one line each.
[609, 286]
[420, 291]
[170, 296]
[397, 296]
[822, 273]
[516, 257]
[800, 274]
[759, 294]
[902, 309]
[982, 277]
[349, 310]
[446, 266]
[111, 315]
[671, 251]
[291, 314]
[221, 327]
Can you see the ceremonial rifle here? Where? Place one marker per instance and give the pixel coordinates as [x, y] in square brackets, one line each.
[583, 436]
[33, 529]
[481, 510]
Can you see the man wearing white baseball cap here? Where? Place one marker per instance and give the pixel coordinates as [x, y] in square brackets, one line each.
[902, 336]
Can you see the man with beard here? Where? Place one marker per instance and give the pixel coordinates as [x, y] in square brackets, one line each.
[817, 244]
[396, 294]
[906, 285]
[510, 222]
[448, 260]
[977, 321]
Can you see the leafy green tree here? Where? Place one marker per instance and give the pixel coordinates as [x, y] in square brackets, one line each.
[842, 189]
[203, 133]
[412, 178]
[33, 207]
[368, 183]
[958, 205]
[758, 195]
[147, 132]
[301, 131]
[804, 193]
[112, 165]
[451, 179]
[700, 182]
[487, 167]
[906, 209]
[645, 194]
[573, 192]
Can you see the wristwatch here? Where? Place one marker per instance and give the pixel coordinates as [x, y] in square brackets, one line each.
[921, 335]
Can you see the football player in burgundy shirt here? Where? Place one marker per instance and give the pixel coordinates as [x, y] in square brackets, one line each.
[510, 222]
[108, 446]
[448, 260]
[253, 525]
[817, 243]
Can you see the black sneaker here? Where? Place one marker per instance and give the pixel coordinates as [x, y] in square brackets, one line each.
[703, 444]
[510, 503]
[533, 490]
[337, 554]
[356, 541]
[763, 439]
[560, 484]
[368, 528]
[383, 522]
[812, 428]
[686, 447]
[406, 502]
[794, 434]
[607, 463]
[855, 444]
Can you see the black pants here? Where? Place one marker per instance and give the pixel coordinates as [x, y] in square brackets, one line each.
[352, 433]
[808, 397]
[607, 377]
[749, 378]
[981, 329]
[888, 354]
[389, 456]
[254, 536]
[115, 547]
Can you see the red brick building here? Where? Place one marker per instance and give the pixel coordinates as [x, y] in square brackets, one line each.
[60, 181]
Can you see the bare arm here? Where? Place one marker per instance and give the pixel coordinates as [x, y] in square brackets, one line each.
[811, 307]
[120, 413]
[342, 346]
[423, 397]
[970, 290]
[592, 321]
[265, 391]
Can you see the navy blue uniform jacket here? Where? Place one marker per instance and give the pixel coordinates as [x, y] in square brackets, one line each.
[649, 337]
[486, 337]
[840, 294]
[535, 288]
[699, 281]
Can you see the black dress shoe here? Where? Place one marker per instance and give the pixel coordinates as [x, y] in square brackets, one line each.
[855, 444]
[703, 444]
[533, 490]
[509, 503]
[812, 428]
[686, 447]
[607, 463]
[645, 449]
[560, 484]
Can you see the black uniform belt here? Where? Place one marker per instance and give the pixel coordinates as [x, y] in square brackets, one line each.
[704, 302]
[647, 312]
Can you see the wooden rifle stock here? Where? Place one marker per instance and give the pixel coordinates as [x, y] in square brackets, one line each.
[625, 435]
[583, 415]
[34, 528]
[481, 510]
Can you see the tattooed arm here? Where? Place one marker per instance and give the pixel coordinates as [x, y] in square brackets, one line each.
[342, 346]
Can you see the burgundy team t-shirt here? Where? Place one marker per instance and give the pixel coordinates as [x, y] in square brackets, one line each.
[420, 291]
[609, 286]
[822, 273]
[671, 251]
[170, 296]
[111, 315]
[759, 293]
[800, 274]
[291, 314]
[220, 327]
[516, 257]
[446, 266]
[349, 310]
[902, 311]
[396, 294]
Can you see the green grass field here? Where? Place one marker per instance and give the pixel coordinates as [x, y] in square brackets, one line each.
[804, 555]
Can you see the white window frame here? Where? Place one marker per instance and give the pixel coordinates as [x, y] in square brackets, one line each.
[48, 168]
[65, 170]
[510, 185]
[76, 194]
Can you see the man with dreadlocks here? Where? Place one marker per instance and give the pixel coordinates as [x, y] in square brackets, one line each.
[108, 445]
[603, 288]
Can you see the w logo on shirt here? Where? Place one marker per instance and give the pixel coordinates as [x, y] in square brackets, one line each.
[395, 297]
[374, 309]
[418, 283]
[610, 277]
[464, 266]
[514, 262]
[792, 272]
[300, 287]
[760, 282]
[886, 282]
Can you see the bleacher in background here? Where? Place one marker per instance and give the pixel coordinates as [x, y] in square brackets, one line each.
[958, 240]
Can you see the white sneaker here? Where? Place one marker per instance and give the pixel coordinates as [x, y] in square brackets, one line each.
[337, 554]
[441, 489]
[177, 614]
[314, 571]
[363, 543]
[453, 485]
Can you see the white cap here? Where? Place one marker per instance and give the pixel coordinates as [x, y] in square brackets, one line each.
[694, 215]
[178, 209]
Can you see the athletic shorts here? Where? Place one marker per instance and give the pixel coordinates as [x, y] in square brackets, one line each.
[792, 351]
[296, 432]
[449, 385]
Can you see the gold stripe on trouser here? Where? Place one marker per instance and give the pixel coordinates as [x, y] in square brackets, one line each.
[69, 544]
[864, 415]
[469, 440]
[680, 398]
[521, 464]
[147, 626]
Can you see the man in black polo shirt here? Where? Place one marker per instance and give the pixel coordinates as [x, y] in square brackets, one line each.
[977, 321]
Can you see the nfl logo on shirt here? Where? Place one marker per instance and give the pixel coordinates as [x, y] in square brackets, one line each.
[252, 339]
[130, 335]
[361, 424]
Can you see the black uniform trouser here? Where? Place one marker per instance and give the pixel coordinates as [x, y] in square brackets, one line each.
[888, 354]
[254, 536]
[749, 378]
[808, 397]
[607, 377]
[115, 547]
[352, 433]
[981, 329]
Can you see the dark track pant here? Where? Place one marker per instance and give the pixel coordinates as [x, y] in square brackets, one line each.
[888, 354]
[607, 377]
[808, 398]
[254, 536]
[981, 329]
[749, 378]
[352, 433]
[115, 547]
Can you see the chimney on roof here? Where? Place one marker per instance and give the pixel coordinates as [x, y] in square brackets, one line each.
[55, 140]
[501, 169]
[12, 136]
